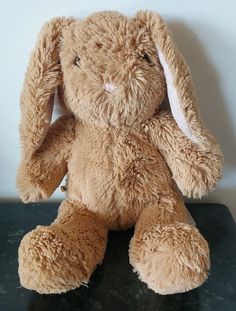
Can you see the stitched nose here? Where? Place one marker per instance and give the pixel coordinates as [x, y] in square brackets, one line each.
[109, 87]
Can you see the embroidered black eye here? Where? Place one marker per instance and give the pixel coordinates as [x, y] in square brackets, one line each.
[147, 59]
[77, 61]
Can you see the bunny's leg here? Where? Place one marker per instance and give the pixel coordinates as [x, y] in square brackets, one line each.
[169, 254]
[62, 256]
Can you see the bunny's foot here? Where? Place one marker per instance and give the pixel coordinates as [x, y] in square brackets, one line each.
[62, 256]
[170, 258]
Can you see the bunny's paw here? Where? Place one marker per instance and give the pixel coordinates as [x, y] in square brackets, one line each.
[33, 194]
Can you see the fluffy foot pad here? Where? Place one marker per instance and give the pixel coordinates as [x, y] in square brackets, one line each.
[170, 258]
[55, 259]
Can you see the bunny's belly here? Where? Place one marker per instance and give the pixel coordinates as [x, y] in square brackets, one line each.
[116, 174]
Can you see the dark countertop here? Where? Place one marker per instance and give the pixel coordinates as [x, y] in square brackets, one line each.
[114, 286]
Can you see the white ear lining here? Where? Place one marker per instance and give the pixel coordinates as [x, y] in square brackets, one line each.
[174, 100]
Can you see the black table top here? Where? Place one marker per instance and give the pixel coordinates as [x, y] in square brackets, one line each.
[114, 286]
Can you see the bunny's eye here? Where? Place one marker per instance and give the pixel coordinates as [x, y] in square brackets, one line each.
[77, 61]
[147, 59]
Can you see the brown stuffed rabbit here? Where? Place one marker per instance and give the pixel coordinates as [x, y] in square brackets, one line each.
[124, 152]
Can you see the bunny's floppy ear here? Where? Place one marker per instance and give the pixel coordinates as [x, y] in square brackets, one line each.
[180, 90]
[42, 78]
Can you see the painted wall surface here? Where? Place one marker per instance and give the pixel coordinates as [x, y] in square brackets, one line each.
[205, 32]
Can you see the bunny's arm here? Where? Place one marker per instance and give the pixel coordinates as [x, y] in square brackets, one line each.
[196, 168]
[41, 173]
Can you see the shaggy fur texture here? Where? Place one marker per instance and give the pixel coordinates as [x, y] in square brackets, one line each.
[124, 155]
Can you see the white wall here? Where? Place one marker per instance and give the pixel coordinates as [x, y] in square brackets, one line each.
[205, 32]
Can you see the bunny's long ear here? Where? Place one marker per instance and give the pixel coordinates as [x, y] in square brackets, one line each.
[42, 78]
[180, 90]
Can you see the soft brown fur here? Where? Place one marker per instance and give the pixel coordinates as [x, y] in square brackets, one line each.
[122, 152]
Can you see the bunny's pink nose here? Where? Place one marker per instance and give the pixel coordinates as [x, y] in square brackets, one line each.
[109, 87]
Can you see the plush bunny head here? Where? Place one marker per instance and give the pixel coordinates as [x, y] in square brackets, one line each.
[112, 75]
[110, 70]
[116, 71]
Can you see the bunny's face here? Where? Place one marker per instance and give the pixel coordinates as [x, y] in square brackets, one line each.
[111, 73]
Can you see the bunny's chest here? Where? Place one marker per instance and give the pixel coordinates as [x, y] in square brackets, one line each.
[139, 170]
[118, 165]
